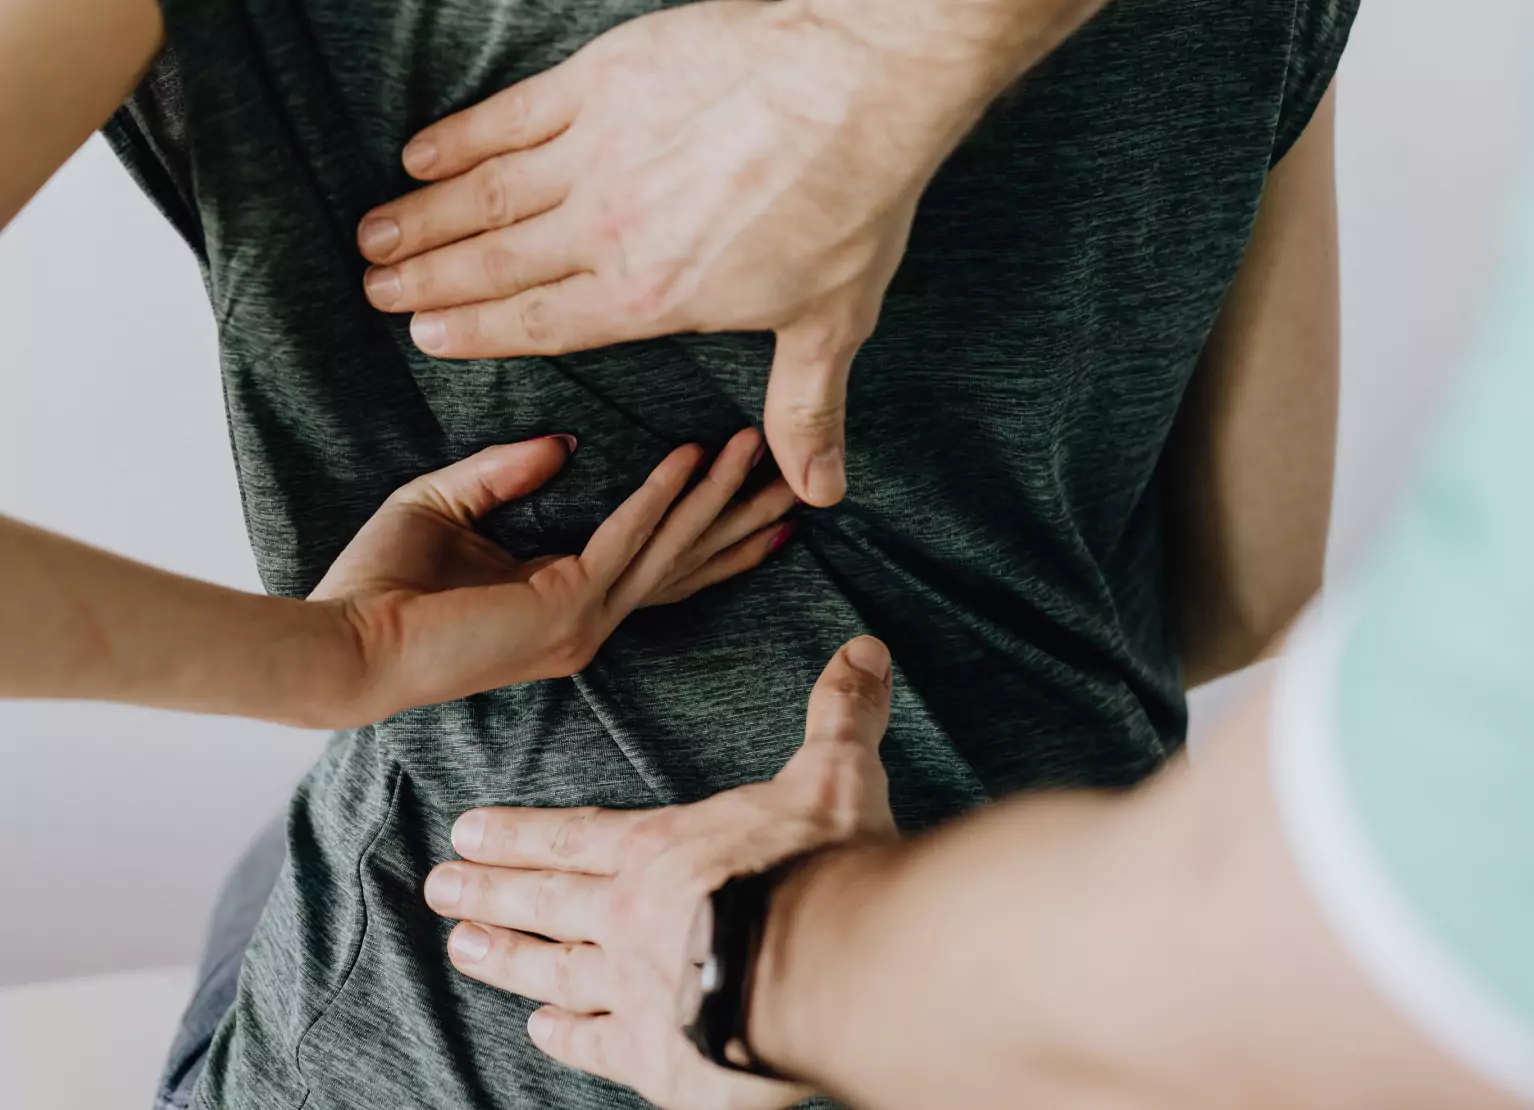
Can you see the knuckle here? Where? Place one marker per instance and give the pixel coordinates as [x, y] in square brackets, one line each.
[838, 789]
[851, 698]
[514, 113]
[648, 296]
[545, 898]
[536, 317]
[573, 832]
[492, 199]
[816, 417]
[646, 841]
[500, 267]
[561, 973]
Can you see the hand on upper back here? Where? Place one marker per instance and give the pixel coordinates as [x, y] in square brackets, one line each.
[438, 611]
[602, 914]
[716, 167]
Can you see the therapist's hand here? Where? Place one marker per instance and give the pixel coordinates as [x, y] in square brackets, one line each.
[730, 165]
[436, 611]
[604, 914]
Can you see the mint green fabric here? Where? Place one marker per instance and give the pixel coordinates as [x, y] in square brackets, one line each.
[1435, 698]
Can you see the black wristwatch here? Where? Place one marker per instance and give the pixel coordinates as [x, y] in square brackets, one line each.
[740, 919]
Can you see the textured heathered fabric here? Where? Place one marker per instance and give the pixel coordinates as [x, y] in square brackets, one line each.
[1002, 533]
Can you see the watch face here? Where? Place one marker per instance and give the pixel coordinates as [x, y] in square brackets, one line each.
[705, 975]
[701, 982]
[710, 978]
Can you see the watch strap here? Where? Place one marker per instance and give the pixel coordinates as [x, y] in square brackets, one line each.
[740, 919]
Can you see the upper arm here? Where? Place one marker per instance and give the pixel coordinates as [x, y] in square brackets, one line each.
[1250, 463]
[65, 65]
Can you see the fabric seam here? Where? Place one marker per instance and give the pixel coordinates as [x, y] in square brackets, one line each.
[396, 773]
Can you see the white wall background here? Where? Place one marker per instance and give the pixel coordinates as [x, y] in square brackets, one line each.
[116, 825]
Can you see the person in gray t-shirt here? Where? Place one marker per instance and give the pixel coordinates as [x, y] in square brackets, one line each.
[1087, 458]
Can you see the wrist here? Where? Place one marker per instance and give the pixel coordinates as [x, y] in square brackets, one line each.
[949, 60]
[338, 686]
[794, 1015]
[892, 109]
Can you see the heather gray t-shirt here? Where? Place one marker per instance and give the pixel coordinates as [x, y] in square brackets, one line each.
[1003, 533]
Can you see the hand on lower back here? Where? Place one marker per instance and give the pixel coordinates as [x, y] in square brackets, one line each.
[440, 612]
[602, 914]
[723, 166]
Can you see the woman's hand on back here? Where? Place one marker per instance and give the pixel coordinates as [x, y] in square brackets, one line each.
[437, 611]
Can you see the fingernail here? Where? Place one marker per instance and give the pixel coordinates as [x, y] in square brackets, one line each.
[420, 156]
[571, 443]
[826, 481]
[869, 656]
[378, 236]
[383, 286]
[429, 332]
[469, 943]
[443, 887]
[469, 832]
[761, 449]
[785, 533]
[540, 1025]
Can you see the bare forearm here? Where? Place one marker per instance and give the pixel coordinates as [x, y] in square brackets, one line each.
[991, 41]
[1249, 467]
[1155, 950]
[64, 66]
[957, 914]
[939, 66]
[76, 622]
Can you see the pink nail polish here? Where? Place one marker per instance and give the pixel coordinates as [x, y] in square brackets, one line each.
[785, 533]
[571, 443]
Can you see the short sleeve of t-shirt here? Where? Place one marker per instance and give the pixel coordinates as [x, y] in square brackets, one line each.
[1320, 31]
[1403, 738]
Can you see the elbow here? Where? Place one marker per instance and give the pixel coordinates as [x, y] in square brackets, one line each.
[1230, 632]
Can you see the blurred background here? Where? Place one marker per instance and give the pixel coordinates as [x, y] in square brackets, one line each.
[117, 825]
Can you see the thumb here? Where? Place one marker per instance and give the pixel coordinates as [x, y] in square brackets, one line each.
[848, 714]
[806, 409]
[471, 487]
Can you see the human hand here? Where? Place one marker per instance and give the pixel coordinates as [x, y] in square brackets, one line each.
[604, 915]
[437, 611]
[730, 165]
